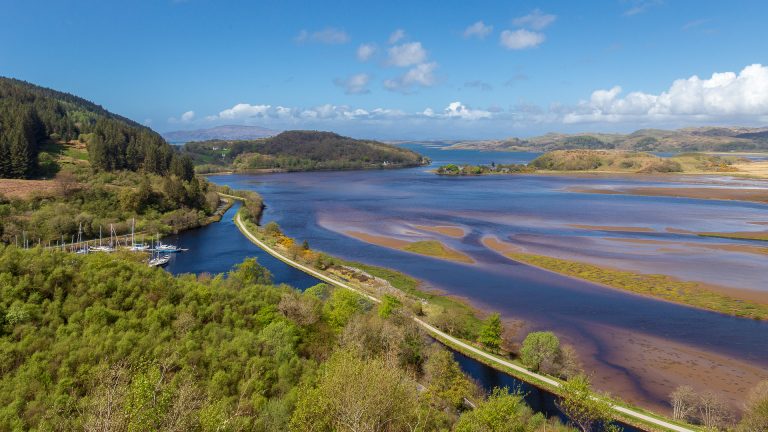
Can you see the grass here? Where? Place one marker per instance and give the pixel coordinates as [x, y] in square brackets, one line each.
[436, 303]
[660, 286]
[436, 249]
[758, 236]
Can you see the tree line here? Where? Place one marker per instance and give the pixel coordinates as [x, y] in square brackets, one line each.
[31, 116]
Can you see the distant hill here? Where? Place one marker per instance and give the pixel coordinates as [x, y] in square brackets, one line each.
[32, 117]
[299, 151]
[228, 132]
[717, 139]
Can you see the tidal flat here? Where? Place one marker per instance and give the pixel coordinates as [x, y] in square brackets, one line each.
[539, 214]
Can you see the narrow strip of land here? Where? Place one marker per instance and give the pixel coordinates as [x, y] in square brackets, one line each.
[440, 335]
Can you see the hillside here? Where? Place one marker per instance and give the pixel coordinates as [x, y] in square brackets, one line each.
[70, 166]
[711, 139]
[610, 161]
[34, 119]
[299, 151]
[227, 132]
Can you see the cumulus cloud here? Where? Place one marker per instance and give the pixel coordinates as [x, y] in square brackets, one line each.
[366, 51]
[459, 110]
[242, 111]
[355, 84]
[328, 35]
[396, 36]
[188, 116]
[478, 30]
[185, 117]
[536, 20]
[521, 39]
[422, 75]
[407, 54]
[732, 95]
[283, 115]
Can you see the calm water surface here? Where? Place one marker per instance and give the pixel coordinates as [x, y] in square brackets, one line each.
[534, 211]
[216, 248]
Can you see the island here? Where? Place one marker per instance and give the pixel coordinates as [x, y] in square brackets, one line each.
[298, 151]
[692, 139]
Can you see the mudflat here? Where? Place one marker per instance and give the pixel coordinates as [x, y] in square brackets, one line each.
[431, 248]
[661, 365]
[612, 228]
[752, 195]
[446, 230]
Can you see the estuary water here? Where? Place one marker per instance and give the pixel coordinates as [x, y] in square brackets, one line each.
[638, 347]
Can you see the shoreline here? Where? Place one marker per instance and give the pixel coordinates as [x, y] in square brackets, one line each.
[256, 171]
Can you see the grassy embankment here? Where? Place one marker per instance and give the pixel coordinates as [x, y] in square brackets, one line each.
[746, 235]
[655, 285]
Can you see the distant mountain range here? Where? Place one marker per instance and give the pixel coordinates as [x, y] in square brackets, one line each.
[718, 139]
[227, 132]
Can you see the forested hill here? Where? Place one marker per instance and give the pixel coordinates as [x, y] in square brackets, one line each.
[32, 117]
[299, 151]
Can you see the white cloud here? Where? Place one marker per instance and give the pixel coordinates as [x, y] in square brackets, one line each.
[188, 116]
[282, 115]
[731, 95]
[328, 35]
[478, 30]
[283, 112]
[521, 39]
[459, 110]
[536, 20]
[407, 54]
[355, 84]
[423, 75]
[366, 51]
[242, 111]
[396, 36]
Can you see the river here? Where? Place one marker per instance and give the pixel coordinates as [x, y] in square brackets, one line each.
[637, 347]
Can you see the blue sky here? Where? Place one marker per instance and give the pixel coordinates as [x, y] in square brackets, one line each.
[400, 70]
